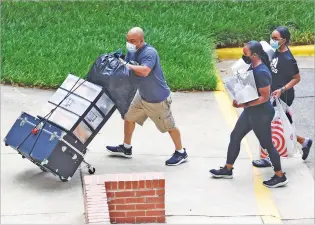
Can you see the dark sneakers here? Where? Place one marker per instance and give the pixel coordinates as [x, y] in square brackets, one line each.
[223, 172]
[306, 150]
[262, 163]
[120, 150]
[276, 181]
[177, 158]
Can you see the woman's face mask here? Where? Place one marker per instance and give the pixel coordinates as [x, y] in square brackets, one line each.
[247, 59]
[275, 44]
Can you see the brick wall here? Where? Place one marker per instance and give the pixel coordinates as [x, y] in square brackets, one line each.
[133, 198]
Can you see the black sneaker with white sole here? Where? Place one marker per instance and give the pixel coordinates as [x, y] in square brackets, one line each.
[276, 181]
[120, 150]
[262, 163]
[223, 172]
[306, 149]
[177, 158]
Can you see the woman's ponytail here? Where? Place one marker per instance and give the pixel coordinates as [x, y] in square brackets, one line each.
[256, 47]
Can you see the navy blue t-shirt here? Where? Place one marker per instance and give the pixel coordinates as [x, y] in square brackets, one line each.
[263, 78]
[283, 68]
[153, 88]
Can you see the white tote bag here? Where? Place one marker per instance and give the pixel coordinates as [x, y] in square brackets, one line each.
[288, 128]
[283, 132]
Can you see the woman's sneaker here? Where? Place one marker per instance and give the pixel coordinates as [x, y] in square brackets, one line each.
[223, 172]
[262, 163]
[306, 149]
[120, 150]
[276, 181]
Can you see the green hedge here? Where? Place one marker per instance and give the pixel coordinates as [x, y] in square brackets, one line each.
[41, 42]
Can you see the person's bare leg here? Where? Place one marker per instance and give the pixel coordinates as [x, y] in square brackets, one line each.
[279, 173]
[180, 155]
[129, 127]
[300, 139]
[175, 135]
[229, 166]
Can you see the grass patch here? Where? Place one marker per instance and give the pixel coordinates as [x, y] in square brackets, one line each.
[41, 42]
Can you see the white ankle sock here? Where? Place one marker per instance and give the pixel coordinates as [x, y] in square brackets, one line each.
[127, 146]
[305, 142]
[181, 151]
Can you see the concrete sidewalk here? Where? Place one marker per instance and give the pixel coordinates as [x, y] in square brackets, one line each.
[205, 120]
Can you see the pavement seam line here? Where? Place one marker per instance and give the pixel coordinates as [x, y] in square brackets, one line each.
[309, 96]
[191, 156]
[218, 216]
[265, 202]
[32, 214]
[301, 219]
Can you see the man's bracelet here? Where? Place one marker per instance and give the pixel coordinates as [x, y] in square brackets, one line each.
[283, 89]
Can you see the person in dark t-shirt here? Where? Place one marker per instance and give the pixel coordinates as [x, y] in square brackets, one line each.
[285, 75]
[153, 99]
[257, 116]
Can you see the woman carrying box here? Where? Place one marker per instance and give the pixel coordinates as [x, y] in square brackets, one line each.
[285, 75]
[257, 116]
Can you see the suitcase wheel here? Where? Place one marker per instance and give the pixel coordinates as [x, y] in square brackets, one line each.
[63, 179]
[23, 157]
[91, 170]
[6, 144]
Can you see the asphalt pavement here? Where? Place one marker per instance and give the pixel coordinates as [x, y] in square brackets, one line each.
[303, 108]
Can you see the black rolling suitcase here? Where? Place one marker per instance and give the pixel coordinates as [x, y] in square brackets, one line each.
[47, 145]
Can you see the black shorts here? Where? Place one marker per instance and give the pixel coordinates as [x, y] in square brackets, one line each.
[288, 98]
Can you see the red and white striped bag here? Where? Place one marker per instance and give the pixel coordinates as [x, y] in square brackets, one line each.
[283, 132]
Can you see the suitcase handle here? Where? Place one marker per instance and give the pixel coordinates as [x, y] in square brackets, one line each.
[71, 153]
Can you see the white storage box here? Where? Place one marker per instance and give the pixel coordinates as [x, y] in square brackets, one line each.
[242, 87]
[83, 112]
[240, 67]
[268, 49]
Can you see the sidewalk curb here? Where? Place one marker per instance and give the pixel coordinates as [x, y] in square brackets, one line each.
[236, 53]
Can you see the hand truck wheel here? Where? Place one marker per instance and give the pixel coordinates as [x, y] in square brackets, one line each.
[91, 170]
[63, 179]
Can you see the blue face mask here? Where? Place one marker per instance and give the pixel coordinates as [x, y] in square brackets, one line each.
[274, 44]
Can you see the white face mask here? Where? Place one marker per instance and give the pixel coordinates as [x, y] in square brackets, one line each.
[130, 47]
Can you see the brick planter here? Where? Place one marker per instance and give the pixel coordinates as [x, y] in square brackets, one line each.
[95, 201]
[131, 198]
